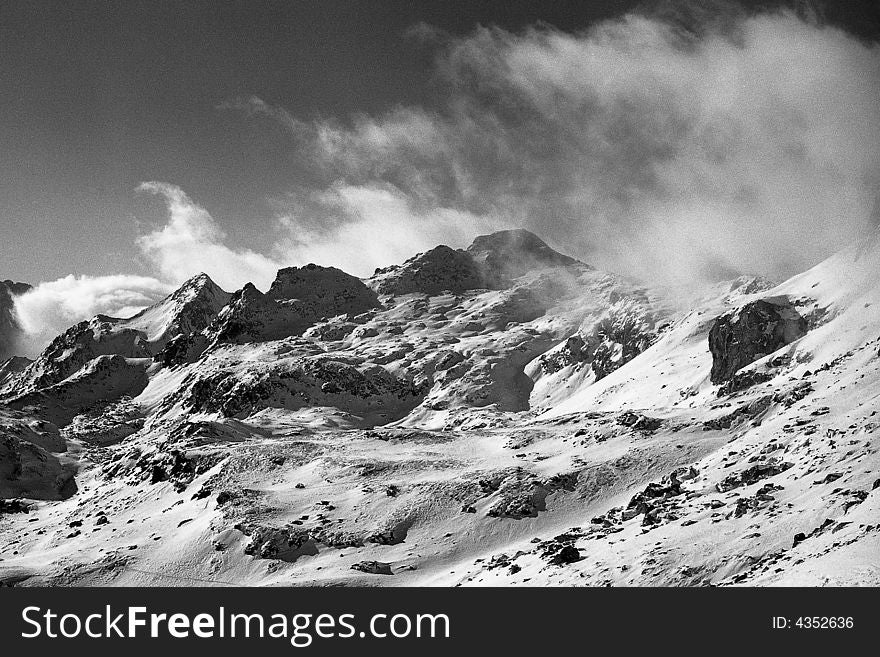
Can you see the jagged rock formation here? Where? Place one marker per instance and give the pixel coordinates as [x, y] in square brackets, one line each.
[441, 269]
[323, 291]
[750, 333]
[11, 367]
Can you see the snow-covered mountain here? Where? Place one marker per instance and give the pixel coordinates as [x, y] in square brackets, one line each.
[503, 414]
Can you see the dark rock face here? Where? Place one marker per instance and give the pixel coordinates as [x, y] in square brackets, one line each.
[9, 328]
[438, 270]
[755, 330]
[326, 291]
[373, 567]
[12, 366]
[27, 470]
[319, 381]
[751, 475]
[511, 253]
[299, 298]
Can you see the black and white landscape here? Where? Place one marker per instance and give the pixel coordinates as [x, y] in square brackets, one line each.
[605, 311]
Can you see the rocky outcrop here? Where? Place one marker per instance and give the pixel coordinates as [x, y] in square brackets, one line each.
[625, 330]
[309, 381]
[441, 269]
[298, 299]
[509, 254]
[27, 470]
[251, 316]
[750, 333]
[103, 379]
[11, 367]
[322, 292]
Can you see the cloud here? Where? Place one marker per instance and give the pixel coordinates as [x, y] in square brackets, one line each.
[192, 242]
[188, 243]
[668, 145]
[380, 226]
[51, 308]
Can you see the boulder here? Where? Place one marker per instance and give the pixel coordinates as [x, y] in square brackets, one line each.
[757, 329]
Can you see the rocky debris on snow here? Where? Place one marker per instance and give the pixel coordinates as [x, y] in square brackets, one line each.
[14, 506]
[106, 424]
[639, 422]
[155, 466]
[312, 380]
[373, 567]
[747, 412]
[762, 497]
[757, 329]
[653, 501]
[283, 543]
[744, 380]
[523, 495]
[560, 550]
[752, 475]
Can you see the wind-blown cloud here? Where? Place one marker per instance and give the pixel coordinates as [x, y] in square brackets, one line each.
[192, 242]
[189, 242]
[672, 145]
[380, 225]
[52, 307]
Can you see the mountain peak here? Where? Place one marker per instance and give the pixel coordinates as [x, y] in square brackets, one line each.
[512, 253]
[330, 290]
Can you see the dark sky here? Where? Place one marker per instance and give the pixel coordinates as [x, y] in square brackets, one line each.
[96, 97]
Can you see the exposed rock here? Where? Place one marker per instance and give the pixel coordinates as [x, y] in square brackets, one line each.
[30, 471]
[14, 506]
[438, 270]
[639, 422]
[284, 543]
[509, 254]
[750, 333]
[373, 567]
[323, 291]
[10, 331]
[751, 475]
